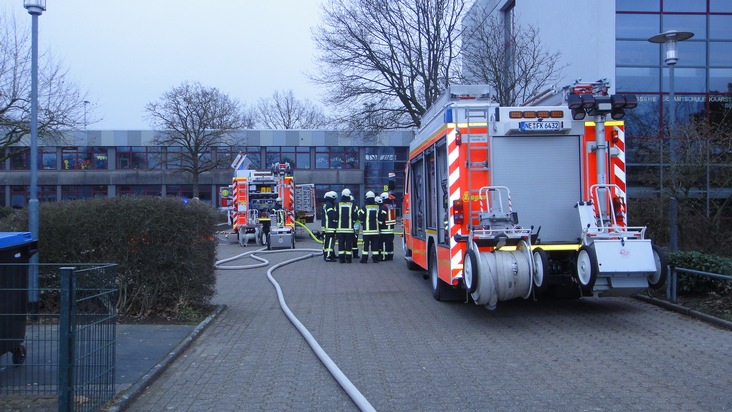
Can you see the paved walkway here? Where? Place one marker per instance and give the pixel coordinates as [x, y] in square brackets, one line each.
[405, 351]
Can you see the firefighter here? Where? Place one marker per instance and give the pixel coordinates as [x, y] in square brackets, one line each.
[387, 234]
[344, 226]
[279, 212]
[371, 218]
[329, 224]
[357, 226]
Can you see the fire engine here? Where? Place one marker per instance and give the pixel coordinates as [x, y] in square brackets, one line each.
[475, 168]
[250, 203]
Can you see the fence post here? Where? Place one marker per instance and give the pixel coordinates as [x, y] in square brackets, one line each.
[66, 341]
[674, 284]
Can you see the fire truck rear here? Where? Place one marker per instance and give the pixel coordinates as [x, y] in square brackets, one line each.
[476, 168]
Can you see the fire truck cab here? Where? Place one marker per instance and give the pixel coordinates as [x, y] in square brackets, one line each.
[508, 202]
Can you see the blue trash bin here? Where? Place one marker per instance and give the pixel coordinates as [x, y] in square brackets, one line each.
[16, 248]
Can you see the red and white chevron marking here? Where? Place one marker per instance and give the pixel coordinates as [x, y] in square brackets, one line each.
[453, 170]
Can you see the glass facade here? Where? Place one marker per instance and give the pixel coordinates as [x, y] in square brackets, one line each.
[702, 76]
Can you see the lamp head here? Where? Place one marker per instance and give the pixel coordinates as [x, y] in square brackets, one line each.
[35, 7]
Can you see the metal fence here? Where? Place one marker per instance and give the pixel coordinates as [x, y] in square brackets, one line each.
[58, 352]
[674, 280]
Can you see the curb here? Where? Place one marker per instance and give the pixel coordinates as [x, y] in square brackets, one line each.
[123, 399]
[686, 311]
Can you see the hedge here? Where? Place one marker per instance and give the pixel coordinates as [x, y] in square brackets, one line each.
[165, 249]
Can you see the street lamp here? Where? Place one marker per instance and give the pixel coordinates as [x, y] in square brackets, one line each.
[669, 39]
[35, 8]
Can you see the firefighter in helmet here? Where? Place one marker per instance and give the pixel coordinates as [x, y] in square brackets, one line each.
[371, 218]
[329, 224]
[344, 226]
[279, 213]
[387, 233]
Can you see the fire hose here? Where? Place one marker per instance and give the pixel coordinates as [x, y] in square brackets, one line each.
[358, 398]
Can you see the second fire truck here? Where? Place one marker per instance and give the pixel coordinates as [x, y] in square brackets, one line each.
[509, 202]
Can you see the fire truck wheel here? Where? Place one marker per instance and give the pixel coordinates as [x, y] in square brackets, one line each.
[658, 279]
[587, 267]
[471, 272]
[541, 271]
[438, 286]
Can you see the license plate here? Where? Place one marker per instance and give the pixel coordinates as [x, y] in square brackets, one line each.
[531, 126]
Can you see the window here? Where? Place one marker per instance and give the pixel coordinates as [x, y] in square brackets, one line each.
[720, 80]
[337, 157]
[140, 157]
[139, 190]
[637, 79]
[48, 157]
[636, 53]
[637, 26]
[696, 24]
[686, 80]
[19, 158]
[253, 154]
[298, 157]
[638, 5]
[685, 5]
[720, 27]
[83, 192]
[83, 158]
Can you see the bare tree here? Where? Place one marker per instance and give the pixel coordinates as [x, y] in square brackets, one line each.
[284, 111]
[508, 57]
[60, 102]
[191, 120]
[388, 60]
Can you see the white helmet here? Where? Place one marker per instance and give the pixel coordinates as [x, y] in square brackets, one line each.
[346, 192]
[279, 199]
[331, 195]
[385, 195]
[370, 195]
[378, 200]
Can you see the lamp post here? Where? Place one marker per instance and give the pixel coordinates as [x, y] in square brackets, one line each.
[669, 39]
[35, 8]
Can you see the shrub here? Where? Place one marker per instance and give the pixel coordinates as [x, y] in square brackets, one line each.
[165, 249]
[696, 284]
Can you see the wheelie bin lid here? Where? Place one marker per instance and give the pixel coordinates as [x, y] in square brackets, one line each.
[10, 239]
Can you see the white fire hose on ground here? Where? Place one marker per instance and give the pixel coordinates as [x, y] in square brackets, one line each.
[334, 370]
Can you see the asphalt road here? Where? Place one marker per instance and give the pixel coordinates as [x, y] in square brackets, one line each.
[405, 351]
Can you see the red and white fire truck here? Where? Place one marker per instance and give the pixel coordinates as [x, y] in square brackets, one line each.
[475, 168]
[250, 204]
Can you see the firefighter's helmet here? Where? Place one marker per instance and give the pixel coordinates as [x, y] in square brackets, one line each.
[331, 195]
[370, 195]
[378, 200]
[385, 195]
[278, 200]
[346, 192]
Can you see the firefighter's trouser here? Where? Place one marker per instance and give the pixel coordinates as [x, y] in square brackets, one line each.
[354, 245]
[371, 243]
[387, 246]
[329, 245]
[345, 250]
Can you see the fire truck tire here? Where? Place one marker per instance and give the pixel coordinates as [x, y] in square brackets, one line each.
[587, 267]
[658, 279]
[471, 271]
[438, 286]
[541, 271]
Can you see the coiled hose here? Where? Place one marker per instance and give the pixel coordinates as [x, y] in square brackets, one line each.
[357, 397]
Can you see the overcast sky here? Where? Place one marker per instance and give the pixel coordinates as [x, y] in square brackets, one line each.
[126, 53]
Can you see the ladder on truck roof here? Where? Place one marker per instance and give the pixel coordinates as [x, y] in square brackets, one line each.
[471, 116]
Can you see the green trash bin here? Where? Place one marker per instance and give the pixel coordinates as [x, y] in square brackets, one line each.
[16, 248]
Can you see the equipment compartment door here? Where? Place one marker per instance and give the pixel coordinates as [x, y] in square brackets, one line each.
[543, 174]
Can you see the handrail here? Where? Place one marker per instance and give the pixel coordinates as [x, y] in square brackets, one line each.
[672, 284]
